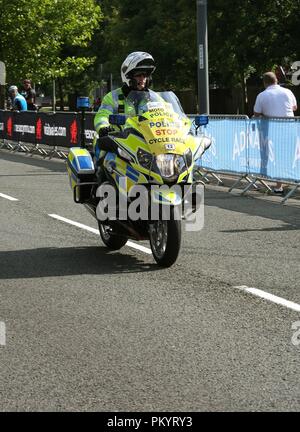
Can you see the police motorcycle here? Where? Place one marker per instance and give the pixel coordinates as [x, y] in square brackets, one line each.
[153, 149]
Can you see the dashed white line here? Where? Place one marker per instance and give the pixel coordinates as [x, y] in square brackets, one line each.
[96, 231]
[254, 291]
[2, 333]
[139, 247]
[10, 198]
[77, 224]
[271, 297]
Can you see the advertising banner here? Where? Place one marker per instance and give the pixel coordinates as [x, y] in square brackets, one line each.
[65, 131]
[24, 126]
[2, 133]
[274, 148]
[264, 147]
[228, 151]
[89, 130]
[9, 129]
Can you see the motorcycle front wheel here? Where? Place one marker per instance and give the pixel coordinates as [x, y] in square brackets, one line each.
[111, 240]
[165, 240]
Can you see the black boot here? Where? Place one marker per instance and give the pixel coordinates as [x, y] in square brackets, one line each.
[100, 173]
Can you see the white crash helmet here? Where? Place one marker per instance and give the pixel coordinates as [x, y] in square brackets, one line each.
[134, 62]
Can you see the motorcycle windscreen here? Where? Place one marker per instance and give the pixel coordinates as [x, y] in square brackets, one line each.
[160, 119]
[164, 131]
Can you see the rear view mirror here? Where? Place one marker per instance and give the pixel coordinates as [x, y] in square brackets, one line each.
[117, 119]
[201, 120]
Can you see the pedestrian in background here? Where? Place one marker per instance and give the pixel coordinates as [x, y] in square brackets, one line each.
[18, 102]
[96, 104]
[275, 101]
[29, 94]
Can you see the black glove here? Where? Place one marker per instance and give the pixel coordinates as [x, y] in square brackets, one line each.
[105, 131]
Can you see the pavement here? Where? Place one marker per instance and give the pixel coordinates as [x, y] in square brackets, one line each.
[91, 330]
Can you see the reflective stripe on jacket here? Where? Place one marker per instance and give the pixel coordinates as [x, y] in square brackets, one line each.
[113, 103]
[109, 105]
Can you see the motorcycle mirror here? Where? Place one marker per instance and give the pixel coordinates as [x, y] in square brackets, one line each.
[207, 142]
[201, 120]
[117, 119]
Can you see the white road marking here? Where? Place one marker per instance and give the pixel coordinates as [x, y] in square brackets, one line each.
[77, 224]
[274, 299]
[96, 231]
[254, 291]
[2, 333]
[139, 247]
[8, 197]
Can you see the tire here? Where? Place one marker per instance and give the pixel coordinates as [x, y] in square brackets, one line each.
[165, 249]
[112, 241]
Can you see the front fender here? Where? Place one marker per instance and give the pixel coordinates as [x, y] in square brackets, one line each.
[167, 196]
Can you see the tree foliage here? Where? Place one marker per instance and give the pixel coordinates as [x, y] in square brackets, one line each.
[249, 37]
[165, 29]
[46, 39]
[82, 41]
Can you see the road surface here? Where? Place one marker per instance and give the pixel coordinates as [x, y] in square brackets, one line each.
[85, 329]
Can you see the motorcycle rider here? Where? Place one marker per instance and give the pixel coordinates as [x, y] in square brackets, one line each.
[136, 74]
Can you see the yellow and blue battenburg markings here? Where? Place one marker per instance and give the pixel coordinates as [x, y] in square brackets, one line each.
[79, 162]
[135, 174]
[132, 174]
[117, 167]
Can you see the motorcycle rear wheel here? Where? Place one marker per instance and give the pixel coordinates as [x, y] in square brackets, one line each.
[111, 240]
[165, 240]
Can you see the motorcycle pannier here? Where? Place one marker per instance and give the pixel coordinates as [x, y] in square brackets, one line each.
[81, 172]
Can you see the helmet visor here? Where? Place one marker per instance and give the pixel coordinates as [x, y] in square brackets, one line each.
[146, 71]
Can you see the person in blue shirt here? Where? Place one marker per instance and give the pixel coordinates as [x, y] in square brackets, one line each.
[18, 101]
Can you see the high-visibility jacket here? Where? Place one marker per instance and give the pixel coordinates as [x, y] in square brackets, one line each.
[113, 103]
[110, 105]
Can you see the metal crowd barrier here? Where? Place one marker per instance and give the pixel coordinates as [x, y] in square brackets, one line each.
[255, 150]
[44, 133]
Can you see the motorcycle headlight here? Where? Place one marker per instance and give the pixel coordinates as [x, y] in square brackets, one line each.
[145, 159]
[170, 165]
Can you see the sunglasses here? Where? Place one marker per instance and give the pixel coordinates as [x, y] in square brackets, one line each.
[140, 74]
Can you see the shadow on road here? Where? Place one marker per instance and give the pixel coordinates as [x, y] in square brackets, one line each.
[51, 165]
[49, 262]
